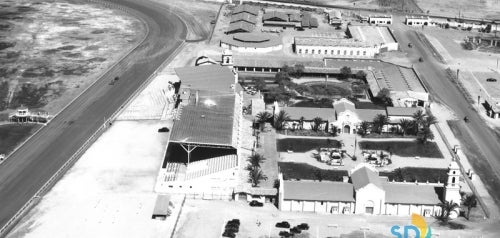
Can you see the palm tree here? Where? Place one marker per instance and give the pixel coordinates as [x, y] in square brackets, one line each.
[301, 122]
[424, 135]
[262, 118]
[281, 120]
[446, 209]
[379, 122]
[364, 127]
[470, 201]
[399, 174]
[317, 121]
[405, 125]
[419, 118]
[255, 176]
[255, 160]
[429, 120]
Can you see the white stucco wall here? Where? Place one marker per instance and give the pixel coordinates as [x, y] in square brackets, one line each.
[252, 49]
[367, 194]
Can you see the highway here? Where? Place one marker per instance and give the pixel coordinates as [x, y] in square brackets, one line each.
[26, 170]
[445, 92]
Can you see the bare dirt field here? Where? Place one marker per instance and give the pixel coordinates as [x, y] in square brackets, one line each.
[487, 9]
[58, 48]
[109, 191]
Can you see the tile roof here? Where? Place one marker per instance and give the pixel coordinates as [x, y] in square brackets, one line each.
[369, 114]
[309, 21]
[246, 8]
[343, 106]
[363, 176]
[309, 113]
[275, 16]
[207, 77]
[397, 193]
[318, 191]
[241, 26]
[243, 17]
[402, 111]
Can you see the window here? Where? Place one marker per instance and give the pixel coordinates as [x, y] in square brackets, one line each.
[338, 52]
[331, 52]
[300, 51]
[326, 52]
[351, 52]
[345, 52]
[364, 52]
[335, 209]
[312, 52]
[357, 52]
[322, 203]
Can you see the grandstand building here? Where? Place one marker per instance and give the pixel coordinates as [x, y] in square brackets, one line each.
[201, 157]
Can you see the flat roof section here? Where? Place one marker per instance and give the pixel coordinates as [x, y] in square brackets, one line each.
[372, 35]
[207, 77]
[253, 40]
[329, 41]
[206, 121]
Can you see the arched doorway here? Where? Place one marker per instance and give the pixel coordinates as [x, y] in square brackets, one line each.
[369, 205]
[347, 129]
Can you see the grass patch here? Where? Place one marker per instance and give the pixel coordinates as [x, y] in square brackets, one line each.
[30, 96]
[13, 134]
[404, 148]
[304, 144]
[412, 174]
[4, 92]
[302, 171]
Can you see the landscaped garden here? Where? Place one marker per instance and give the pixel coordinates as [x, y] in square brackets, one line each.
[302, 171]
[302, 145]
[412, 174]
[404, 148]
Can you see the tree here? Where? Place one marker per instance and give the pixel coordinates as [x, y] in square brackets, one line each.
[280, 120]
[419, 119]
[316, 123]
[334, 130]
[405, 125]
[424, 135]
[446, 209]
[282, 78]
[255, 160]
[345, 72]
[361, 74]
[299, 70]
[364, 126]
[318, 174]
[255, 176]
[400, 174]
[384, 96]
[429, 120]
[301, 122]
[262, 118]
[379, 122]
[470, 201]
[260, 84]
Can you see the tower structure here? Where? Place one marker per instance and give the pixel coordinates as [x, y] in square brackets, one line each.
[452, 187]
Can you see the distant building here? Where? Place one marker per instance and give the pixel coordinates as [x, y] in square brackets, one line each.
[334, 17]
[303, 117]
[243, 8]
[274, 16]
[240, 27]
[380, 20]
[417, 20]
[24, 115]
[308, 21]
[369, 193]
[252, 42]
[348, 118]
[246, 17]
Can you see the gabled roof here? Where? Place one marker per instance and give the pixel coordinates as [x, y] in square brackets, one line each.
[240, 26]
[402, 111]
[397, 193]
[318, 191]
[275, 16]
[369, 114]
[246, 8]
[344, 105]
[309, 113]
[244, 16]
[363, 175]
[309, 21]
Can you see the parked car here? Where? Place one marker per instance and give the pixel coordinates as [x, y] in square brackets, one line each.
[303, 226]
[295, 230]
[256, 204]
[283, 224]
[410, 45]
[421, 59]
[285, 234]
[491, 80]
[163, 129]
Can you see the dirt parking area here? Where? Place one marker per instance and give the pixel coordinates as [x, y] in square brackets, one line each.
[203, 218]
[484, 9]
[109, 191]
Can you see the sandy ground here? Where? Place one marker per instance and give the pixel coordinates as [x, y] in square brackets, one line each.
[108, 192]
[201, 218]
[68, 47]
[489, 9]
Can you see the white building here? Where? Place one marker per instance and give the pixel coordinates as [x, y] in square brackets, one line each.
[334, 17]
[380, 20]
[417, 20]
[348, 117]
[252, 42]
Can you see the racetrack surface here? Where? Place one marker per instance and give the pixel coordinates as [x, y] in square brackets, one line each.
[27, 169]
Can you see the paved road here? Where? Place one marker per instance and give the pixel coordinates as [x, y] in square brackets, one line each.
[35, 162]
[444, 91]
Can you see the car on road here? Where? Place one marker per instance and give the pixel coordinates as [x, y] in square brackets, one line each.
[256, 204]
[410, 45]
[491, 80]
[421, 59]
[283, 224]
[164, 129]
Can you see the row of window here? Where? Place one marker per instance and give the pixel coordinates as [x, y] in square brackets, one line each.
[332, 52]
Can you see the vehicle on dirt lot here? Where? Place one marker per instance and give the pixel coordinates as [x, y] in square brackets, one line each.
[283, 224]
[256, 204]
[163, 129]
[466, 119]
[410, 45]
[421, 59]
[491, 80]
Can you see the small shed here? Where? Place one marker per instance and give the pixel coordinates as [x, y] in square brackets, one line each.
[162, 207]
